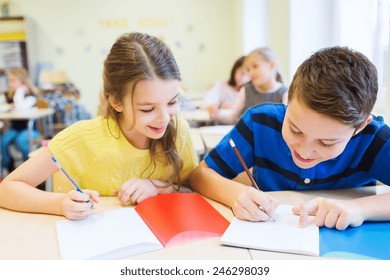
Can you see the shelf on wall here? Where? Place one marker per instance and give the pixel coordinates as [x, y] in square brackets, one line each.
[12, 29]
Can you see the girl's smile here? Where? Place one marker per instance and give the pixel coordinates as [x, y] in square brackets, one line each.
[158, 130]
[147, 112]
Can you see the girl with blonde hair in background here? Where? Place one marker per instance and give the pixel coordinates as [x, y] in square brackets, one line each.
[22, 96]
[266, 83]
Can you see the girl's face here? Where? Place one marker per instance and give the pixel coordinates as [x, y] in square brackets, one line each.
[313, 137]
[147, 112]
[241, 76]
[261, 72]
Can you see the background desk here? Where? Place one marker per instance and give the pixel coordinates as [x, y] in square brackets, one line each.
[33, 236]
[31, 117]
[197, 117]
[211, 135]
[206, 137]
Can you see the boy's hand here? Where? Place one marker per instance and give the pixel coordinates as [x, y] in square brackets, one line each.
[247, 205]
[330, 213]
[75, 205]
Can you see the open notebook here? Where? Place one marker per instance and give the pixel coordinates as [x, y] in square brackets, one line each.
[283, 235]
[134, 230]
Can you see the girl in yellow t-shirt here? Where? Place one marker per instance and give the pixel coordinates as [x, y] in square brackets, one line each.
[138, 148]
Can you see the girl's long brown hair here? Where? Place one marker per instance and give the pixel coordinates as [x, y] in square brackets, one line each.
[136, 57]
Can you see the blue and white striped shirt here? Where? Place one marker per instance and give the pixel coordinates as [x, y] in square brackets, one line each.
[258, 137]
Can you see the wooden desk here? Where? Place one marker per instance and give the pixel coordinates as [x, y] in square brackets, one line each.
[33, 236]
[31, 117]
[296, 198]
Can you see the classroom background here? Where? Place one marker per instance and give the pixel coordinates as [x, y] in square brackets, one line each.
[206, 36]
[71, 39]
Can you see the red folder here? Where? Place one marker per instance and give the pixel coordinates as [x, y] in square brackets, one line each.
[168, 215]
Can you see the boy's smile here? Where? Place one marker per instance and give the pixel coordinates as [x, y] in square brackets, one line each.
[313, 137]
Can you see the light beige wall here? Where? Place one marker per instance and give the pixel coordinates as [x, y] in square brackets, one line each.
[279, 33]
[75, 36]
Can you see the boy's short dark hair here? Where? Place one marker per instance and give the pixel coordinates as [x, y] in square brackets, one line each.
[337, 82]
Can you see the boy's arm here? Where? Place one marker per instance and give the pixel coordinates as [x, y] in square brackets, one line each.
[244, 200]
[209, 183]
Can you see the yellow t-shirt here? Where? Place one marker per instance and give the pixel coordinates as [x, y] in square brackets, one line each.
[98, 157]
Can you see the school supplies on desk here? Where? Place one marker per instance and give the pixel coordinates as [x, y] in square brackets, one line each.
[283, 235]
[149, 226]
[368, 241]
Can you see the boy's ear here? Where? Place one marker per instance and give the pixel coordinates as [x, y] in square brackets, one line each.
[364, 124]
[115, 104]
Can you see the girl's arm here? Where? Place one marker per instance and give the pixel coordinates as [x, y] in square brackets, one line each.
[231, 115]
[22, 102]
[18, 191]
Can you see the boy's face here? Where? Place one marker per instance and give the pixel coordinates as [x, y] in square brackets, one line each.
[313, 137]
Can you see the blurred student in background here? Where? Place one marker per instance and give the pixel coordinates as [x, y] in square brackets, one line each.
[224, 94]
[266, 83]
[21, 96]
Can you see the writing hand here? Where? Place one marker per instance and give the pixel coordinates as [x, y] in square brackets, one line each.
[75, 206]
[247, 205]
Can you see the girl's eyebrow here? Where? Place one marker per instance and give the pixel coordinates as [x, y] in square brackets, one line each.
[327, 140]
[150, 103]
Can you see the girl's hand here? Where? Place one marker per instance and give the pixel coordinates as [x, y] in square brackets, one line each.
[75, 205]
[212, 110]
[330, 213]
[253, 205]
[135, 190]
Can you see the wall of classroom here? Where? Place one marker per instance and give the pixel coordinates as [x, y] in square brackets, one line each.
[206, 36]
[75, 36]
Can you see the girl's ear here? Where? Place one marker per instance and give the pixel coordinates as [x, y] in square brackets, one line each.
[272, 64]
[115, 104]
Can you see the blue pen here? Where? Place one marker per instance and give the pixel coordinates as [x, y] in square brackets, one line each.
[70, 179]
